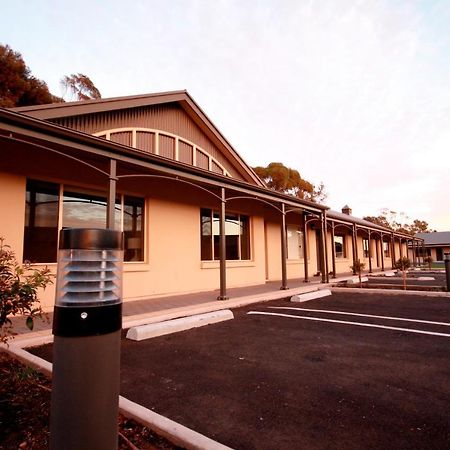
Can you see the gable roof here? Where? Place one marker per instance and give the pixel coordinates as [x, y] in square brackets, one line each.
[435, 238]
[192, 109]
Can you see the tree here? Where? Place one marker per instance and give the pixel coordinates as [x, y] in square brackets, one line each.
[399, 222]
[428, 260]
[283, 179]
[403, 264]
[358, 267]
[80, 86]
[18, 290]
[17, 86]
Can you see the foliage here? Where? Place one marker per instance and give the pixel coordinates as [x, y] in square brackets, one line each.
[428, 260]
[18, 290]
[289, 181]
[18, 87]
[403, 264]
[80, 86]
[399, 222]
[358, 267]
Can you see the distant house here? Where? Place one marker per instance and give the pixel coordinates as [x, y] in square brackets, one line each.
[436, 244]
[195, 216]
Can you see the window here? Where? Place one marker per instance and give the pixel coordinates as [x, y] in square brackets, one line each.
[386, 249]
[339, 247]
[133, 227]
[46, 202]
[41, 222]
[237, 236]
[366, 248]
[294, 242]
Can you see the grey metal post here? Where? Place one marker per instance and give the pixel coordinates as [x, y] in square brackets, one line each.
[323, 245]
[354, 247]
[333, 251]
[447, 269]
[370, 253]
[325, 234]
[305, 246]
[111, 205]
[283, 248]
[415, 252]
[223, 249]
[87, 324]
[393, 251]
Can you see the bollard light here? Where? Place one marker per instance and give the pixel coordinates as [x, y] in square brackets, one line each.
[447, 269]
[87, 324]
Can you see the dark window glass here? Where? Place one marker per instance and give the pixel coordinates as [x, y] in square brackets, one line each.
[245, 238]
[133, 228]
[84, 210]
[237, 236]
[366, 248]
[339, 246]
[206, 235]
[41, 222]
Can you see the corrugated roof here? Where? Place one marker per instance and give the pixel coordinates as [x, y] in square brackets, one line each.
[349, 218]
[68, 109]
[436, 238]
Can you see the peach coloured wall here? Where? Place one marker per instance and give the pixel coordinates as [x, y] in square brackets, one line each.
[172, 264]
[12, 206]
[295, 269]
[12, 223]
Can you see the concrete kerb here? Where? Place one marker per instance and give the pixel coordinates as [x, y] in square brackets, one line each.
[391, 292]
[185, 311]
[176, 433]
[152, 330]
[173, 431]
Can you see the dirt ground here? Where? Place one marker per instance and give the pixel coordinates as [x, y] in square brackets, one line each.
[25, 413]
[273, 382]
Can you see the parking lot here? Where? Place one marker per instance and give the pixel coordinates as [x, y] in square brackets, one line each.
[352, 370]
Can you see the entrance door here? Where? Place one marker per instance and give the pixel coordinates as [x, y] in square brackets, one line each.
[440, 254]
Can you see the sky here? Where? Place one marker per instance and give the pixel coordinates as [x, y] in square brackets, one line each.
[352, 93]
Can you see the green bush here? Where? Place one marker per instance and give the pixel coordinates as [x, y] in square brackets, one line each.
[19, 286]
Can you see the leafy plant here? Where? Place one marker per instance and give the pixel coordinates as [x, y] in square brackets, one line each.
[403, 264]
[19, 286]
[358, 267]
[428, 260]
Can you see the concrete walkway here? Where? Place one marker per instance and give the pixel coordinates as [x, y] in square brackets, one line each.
[170, 307]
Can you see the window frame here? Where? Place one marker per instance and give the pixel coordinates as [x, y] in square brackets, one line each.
[214, 218]
[300, 242]
[386, 249]
[120, 205]
[366, 252]
[343, 254]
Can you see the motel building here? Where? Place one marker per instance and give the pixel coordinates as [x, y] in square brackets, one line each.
[195, 216]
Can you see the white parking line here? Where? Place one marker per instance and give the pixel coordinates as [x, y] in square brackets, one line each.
[344, 313]
[369, 325]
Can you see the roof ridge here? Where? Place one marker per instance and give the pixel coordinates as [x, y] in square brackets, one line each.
[96, 101]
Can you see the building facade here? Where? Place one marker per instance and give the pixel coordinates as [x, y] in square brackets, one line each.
[195, 216]
[435, 244]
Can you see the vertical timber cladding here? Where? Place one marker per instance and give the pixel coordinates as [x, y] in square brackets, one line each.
[168, 117]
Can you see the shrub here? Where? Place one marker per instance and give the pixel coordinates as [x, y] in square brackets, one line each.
[428, 260]
[19, 286]
[403, 264]
[358, 267]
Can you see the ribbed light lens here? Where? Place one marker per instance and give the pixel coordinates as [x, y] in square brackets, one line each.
[89, 277]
